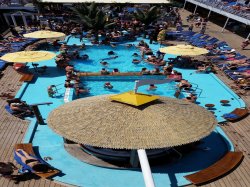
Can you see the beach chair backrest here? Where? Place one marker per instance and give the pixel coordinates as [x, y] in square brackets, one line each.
[8, 109]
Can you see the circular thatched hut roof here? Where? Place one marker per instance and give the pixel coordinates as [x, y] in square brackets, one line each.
[98, 121]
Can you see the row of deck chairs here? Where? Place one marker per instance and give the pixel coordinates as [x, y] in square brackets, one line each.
[16, 46]
[227, 7]
[201, 40]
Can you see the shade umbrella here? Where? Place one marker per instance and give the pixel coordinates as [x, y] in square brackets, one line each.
[184, 50]
[28, 56]
[100, 122]
[44, 34]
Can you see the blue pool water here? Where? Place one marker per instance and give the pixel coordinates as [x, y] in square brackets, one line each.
[208, 88]
[124, 84]
[98, 53]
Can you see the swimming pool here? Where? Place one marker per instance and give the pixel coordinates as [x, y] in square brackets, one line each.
[126, 83]
[123, 62]
[209, 89]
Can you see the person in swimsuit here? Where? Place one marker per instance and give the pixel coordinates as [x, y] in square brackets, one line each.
[31, 161]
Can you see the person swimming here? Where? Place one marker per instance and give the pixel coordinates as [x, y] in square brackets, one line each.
[111, 53]
[85, 57]
[135, 54]
[136, 61]
[104, 63]
[152, 87]
[107, 85]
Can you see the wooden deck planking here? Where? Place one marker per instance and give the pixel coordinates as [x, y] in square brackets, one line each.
[238, 134]
[12, 131]
[238, 177]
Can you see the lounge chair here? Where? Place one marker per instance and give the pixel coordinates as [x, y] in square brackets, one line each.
[29, 149]
[207, 69]
[236, 114]
[18, 114]
[2, 65]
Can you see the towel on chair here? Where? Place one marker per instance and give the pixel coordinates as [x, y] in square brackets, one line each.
[26, 167]
[232, 116]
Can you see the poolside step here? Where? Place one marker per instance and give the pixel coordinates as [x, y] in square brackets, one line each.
[218, 169]
[26, 78]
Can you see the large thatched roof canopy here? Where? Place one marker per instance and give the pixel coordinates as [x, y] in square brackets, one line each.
[100, 122]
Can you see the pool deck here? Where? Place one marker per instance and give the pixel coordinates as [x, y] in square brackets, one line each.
[13, 130]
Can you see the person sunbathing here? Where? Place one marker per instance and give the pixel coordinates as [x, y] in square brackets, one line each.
[31, 161]
[230, 56]
[241, 61]
[21, 107]
[245, 44]
[205, 69]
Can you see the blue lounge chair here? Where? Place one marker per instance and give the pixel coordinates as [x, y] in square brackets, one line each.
[29, 149]
[2, 65]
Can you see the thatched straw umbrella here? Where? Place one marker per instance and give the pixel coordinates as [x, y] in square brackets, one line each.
[98, 121]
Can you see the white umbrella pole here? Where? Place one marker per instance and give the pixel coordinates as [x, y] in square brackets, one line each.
[148, 178]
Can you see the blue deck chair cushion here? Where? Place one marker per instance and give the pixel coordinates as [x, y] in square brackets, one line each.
[2, 65]
[8, 109]
[229, 115]
[26, 167]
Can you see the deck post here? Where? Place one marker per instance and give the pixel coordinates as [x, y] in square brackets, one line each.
[195, 8]
[147, 174]
[6, 19]
[225, 25]
[38, 115]
[184, 4]
[248, 36]
[134, 161]
[14, 20]
[209, 14]
[24, 20]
